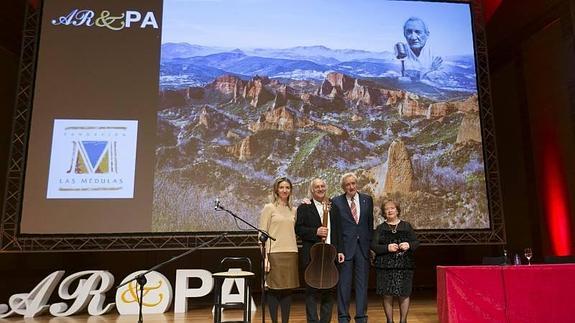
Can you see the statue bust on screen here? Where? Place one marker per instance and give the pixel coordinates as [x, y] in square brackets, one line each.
[418, 60]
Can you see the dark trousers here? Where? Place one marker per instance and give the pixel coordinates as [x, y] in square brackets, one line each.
[326, 300]
[358, 269]
[281, 298]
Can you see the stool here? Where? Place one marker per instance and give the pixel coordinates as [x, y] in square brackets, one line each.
[219, 278]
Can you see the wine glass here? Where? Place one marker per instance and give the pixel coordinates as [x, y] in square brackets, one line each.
[528, 254]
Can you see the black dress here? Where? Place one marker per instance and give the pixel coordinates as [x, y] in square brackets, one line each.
[394, 271]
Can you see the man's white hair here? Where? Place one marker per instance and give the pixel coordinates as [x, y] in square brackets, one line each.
[345, 176]
[311, 184]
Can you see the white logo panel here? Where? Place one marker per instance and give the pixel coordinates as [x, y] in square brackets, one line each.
[92, 159]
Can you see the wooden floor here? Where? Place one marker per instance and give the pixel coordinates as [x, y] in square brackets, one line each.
[423, 310]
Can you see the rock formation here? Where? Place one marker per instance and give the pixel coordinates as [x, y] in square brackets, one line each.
[243, 149]
[438, 110]
[336, 83]
[470, 104]
[277, 119]
[399, 174]
[410, 107]
[285, 119]
[470, 129]
[256, 92]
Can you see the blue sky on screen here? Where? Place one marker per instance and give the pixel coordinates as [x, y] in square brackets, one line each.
[373, 25]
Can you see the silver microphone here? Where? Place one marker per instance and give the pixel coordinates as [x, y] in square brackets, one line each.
[217, 204]
[400, 50]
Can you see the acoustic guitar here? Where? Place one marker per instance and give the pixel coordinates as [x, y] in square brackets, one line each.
[321, 273]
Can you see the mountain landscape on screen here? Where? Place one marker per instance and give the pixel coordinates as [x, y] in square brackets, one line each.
[230, 121]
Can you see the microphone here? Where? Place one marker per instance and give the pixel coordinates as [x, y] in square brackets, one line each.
[217, 204]
[400, 50]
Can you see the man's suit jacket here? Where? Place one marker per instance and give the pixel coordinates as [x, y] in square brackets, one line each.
[352, 232]
[307, 222]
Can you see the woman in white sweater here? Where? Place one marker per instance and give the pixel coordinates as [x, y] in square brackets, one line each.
[278, 219]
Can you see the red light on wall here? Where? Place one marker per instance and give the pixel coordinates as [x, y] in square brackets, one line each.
[489, 8]
[34, 3]
[556, 201]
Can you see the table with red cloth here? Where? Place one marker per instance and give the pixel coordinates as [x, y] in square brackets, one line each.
[514, 294]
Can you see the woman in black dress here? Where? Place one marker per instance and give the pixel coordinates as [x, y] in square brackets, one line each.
[393, 243]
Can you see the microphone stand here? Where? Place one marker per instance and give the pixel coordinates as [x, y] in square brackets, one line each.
[141, 278]
[264, 236]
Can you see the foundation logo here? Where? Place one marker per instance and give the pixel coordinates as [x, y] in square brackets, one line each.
[92, 159]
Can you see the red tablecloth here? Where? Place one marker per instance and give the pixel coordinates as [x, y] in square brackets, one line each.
[514, 294]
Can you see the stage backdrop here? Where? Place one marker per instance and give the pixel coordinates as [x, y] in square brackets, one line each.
[145, 112]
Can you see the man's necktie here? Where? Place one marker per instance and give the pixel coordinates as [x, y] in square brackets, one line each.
[354, 211]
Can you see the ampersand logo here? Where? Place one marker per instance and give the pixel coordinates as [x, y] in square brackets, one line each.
[157, 294]
[109, 21]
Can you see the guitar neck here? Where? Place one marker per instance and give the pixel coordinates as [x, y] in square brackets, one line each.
[325, 216]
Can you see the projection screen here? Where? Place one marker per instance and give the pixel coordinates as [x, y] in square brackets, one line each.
[146, 112]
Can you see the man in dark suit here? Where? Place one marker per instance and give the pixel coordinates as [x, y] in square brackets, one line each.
[356, 212]
[309, 227]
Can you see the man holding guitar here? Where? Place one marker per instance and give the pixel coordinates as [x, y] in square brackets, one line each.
[318, 225]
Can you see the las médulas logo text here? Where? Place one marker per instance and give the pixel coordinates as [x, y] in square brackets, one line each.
[92, 159]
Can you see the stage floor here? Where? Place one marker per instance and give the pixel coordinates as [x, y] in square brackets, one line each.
[423, 310]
